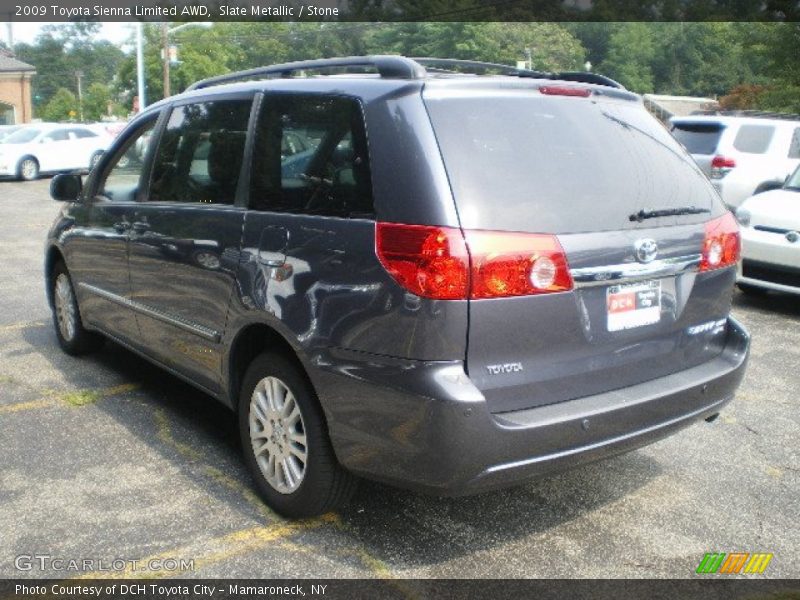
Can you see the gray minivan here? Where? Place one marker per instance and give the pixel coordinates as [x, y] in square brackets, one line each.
[444, 275]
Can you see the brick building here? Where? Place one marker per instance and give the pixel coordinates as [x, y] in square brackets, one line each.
[15, 90]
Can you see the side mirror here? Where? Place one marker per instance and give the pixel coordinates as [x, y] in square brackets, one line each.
[66, 187]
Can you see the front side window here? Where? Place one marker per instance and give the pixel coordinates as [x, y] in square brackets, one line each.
[199, 157]
[120, 182]
[753, 139]
[310, 157]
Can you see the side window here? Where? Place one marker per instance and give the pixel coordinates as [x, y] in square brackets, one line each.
[794, 145]
[753, 139]
[310, 157]
[200, 154]
[81, 133]
[59, 135]
[120, 181]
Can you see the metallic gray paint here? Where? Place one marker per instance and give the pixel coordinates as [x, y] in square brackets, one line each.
[402, 379]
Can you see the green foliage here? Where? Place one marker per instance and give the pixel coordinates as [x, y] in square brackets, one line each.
[681, 58]
[62, 106]
[62, 50]
[631, 51]
[96, 100]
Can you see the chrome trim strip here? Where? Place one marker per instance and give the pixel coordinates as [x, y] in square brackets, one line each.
[194, 328]
[630, 272]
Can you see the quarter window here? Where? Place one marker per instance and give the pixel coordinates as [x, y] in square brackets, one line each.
[310, 157]
[199, 157]
[753, 139]
[121, 180]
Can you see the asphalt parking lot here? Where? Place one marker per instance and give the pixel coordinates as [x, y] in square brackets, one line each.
[107, 458]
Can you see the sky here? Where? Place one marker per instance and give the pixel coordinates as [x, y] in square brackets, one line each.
[117, 33]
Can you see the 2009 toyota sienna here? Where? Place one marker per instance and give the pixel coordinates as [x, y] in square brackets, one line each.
[444, 275]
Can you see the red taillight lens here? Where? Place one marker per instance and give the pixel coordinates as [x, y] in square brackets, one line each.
[562, 90]
[722, 162]
[436, 262]
[516, 264]
[722, 243]
[427, 261]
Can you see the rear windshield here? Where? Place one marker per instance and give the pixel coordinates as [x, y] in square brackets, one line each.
[698, 138]
[521, 161]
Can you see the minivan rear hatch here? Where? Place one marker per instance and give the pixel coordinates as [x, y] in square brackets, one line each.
[596, 172]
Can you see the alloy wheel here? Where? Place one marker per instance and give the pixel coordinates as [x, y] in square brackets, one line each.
[277, 435]
[65, 307]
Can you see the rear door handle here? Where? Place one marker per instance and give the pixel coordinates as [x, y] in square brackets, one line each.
[121, 226]
[140, 226]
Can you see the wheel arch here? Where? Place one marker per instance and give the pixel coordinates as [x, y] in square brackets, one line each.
[52, 257]
[250, 341]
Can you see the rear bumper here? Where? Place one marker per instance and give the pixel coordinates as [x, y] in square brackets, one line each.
[425, 426]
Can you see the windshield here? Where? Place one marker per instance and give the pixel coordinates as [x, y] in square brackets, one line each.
[23, 136]
[698, 138]
[522, 161]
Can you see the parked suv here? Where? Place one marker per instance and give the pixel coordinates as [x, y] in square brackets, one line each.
[743, 155]
[443, 281]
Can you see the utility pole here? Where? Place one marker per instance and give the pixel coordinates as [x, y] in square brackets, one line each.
[165, 55]
[79, 77]
[140, 66]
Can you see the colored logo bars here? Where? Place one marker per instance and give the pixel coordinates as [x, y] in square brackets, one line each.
[735, 562]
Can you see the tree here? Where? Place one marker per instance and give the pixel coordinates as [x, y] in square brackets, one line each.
[63, 105]
[631, 50]
[96, 101]
[61, 50]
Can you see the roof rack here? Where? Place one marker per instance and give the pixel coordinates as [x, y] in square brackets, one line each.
[577, 76]
[398, 67]
[758, 114]
[390, 67]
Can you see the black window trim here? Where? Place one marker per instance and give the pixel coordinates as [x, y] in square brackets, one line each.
[265, 95]
[241, 198]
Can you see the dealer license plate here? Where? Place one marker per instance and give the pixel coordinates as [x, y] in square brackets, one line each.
[633, 305]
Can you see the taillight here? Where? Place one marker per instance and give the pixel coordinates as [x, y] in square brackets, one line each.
[427, 261]
[722, 243]
[437, 262]
[721, 166]
[722, 162]
[563, 90]
[516, 264]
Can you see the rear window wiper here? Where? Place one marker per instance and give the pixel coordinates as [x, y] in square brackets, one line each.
[666, 212]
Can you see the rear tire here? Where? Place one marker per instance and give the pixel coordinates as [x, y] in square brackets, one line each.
[73, 338]
[752, 290]
[285, 441]
[28, 169]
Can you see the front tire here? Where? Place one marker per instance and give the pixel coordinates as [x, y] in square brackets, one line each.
[73, 338]
[28, 169]
[285, 441]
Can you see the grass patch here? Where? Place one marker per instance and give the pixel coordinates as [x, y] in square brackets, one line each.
[82, 397]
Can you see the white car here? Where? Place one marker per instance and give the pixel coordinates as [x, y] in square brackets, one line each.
[47, 148]
[742, 155]
[770, 227]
